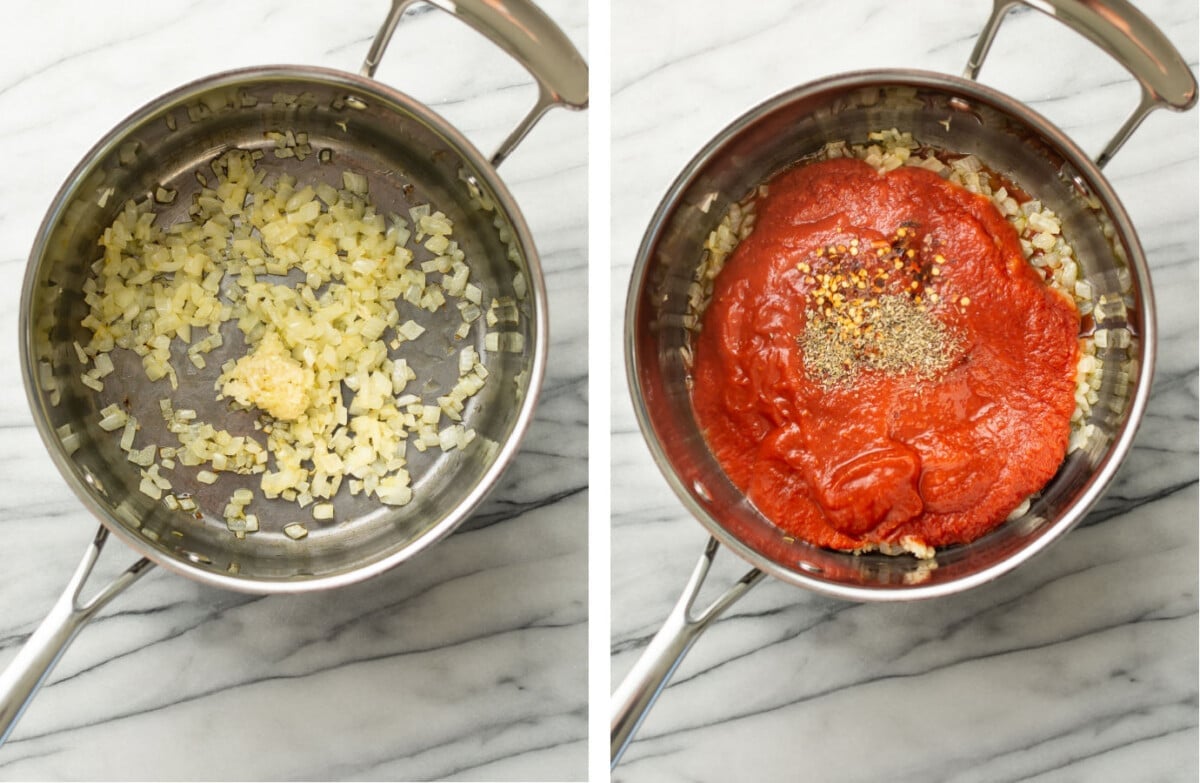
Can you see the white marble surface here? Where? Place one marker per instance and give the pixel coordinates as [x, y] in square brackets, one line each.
[1080, 666]
[469, 662]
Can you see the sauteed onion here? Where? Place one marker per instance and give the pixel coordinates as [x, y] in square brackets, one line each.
[316, 282]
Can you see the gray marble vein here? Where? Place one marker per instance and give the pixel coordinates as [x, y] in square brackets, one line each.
[1081, 665]
[467, 663]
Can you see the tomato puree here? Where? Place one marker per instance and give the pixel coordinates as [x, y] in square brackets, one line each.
[879, 363]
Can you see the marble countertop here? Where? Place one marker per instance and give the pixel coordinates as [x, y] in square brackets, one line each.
[1082, 664]
[469, 662]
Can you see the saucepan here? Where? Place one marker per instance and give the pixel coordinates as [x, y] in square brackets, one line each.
[410, 156]
[946, 112]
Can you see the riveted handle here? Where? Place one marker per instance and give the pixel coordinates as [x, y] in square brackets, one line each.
[528, 35]
[650, 673]
[20, 682]
[1128, 37]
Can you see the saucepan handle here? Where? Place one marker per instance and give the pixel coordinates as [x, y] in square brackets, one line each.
[636, 694]
[1128, 36]
[33, 664]
[528, 35]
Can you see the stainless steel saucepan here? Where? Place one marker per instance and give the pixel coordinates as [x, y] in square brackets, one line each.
[946, 112]
[410, 156]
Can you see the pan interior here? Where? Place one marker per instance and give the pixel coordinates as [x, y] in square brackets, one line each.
[952, 115]
[409, 159]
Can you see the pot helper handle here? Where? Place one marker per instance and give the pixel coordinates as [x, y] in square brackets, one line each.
[528, 35]
[1129, 37]
[636, 694]
[33, 664]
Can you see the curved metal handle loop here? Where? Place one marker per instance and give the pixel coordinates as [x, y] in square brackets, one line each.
[646, 680]
[20, 682]
[528, 35]
[1128, 37]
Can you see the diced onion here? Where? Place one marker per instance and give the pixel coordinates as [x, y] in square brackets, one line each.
[317, 366]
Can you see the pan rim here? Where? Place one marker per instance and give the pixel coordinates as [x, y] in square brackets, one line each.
[175, 560]
[1109, 463]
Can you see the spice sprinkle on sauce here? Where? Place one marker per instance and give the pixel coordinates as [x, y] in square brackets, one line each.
[854, 323]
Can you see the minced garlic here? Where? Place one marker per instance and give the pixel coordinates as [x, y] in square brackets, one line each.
[270, 379]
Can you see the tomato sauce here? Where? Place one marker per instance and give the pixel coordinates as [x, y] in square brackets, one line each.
[879, 362]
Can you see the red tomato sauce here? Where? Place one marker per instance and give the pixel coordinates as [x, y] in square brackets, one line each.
[884, 445]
